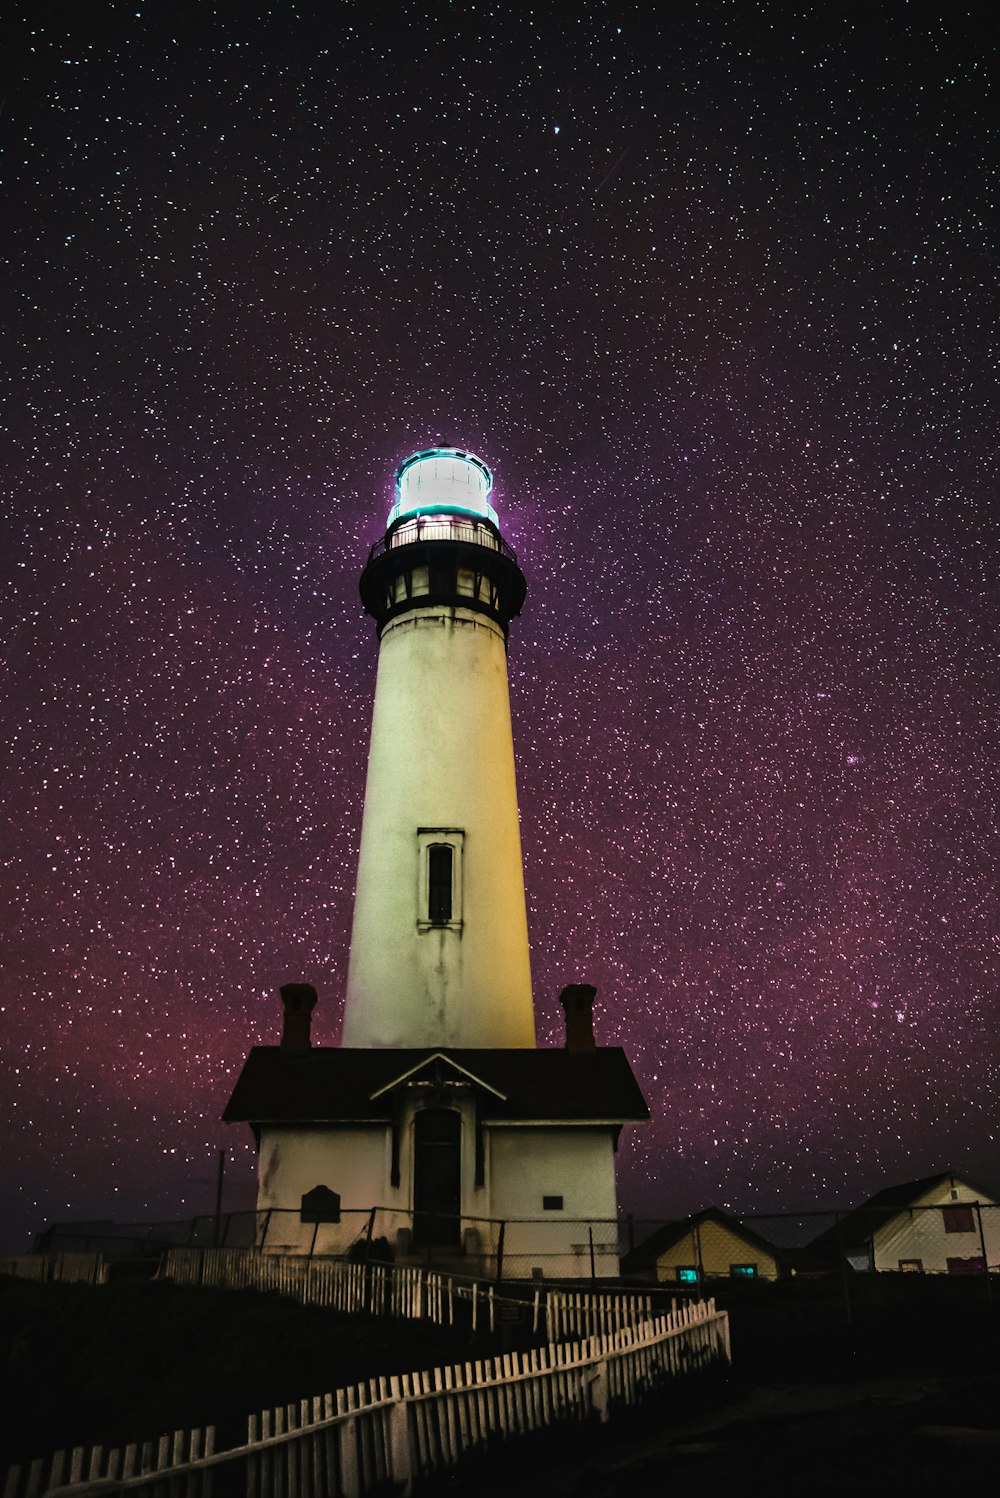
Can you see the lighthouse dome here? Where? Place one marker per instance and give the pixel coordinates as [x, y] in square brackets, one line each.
[443, 480]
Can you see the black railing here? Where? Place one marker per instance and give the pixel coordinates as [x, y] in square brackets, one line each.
[443, 528]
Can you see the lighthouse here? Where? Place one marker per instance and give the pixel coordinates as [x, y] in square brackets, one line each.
[439, 947]
[438, 1125]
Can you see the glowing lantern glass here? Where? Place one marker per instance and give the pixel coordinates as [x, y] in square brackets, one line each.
[443, 481]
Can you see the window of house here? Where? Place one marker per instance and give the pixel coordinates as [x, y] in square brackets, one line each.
[966, 1266]
[687, 1274]
[743, 1271]
[439, 878]
[912, 1266]
[552, 1203]
[958, 1219]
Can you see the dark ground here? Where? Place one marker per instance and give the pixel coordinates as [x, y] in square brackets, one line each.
[907, 1393]
[128, 1362]
[869, 1437]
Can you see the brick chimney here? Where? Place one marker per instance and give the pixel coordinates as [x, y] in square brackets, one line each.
[299, 1000]
[578, 1002]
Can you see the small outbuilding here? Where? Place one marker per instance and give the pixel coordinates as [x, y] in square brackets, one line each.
[709, 1245]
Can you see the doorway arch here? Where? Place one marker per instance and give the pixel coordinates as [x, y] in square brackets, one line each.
[437, 1177]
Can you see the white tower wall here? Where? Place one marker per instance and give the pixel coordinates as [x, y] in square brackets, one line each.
[440, 773]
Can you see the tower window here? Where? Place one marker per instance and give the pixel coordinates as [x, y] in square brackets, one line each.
[439, 884]
[439, 878]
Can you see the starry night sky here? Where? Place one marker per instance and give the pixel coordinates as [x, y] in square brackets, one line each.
[709, 288]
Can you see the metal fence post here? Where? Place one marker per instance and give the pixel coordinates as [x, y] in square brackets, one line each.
[593, 1266]
[368, 1288]
[500, 1237]
[986, 1262]
[217, 1221]
[267, 1224]
[844, 1269]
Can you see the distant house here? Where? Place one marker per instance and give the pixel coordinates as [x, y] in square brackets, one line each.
[942, 1224]
[709, 1245]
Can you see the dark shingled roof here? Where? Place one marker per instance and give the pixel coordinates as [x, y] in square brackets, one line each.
[331, 1084]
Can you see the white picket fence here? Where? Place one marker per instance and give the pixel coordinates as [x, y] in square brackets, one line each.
[402, 1427]
[576, 1313]
[126, 1467]
[408, 1292]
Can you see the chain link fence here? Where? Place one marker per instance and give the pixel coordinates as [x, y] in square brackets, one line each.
[952, 1237]
[482, 1248]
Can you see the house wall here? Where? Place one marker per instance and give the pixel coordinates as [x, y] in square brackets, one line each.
[351, 1159]
[521, 1166]
[920, 1234]
[715, 1248]
[576, 1163]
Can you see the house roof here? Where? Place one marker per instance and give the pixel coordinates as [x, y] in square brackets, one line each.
[646, 1253]
[856, 1227]
[331, 1084]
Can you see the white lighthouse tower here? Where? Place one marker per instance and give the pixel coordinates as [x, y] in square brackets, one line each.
[438, 1124]
[439, 949]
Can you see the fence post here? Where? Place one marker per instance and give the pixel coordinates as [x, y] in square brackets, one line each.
[267, 1224]
[593, 1266]
[599, 1390]
[367, 1287]
[986, 1262]
[844, 1270]
[217, 1222]
[500, 1237]
[400, 1455]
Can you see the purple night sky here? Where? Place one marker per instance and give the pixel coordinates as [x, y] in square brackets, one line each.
[709, 292]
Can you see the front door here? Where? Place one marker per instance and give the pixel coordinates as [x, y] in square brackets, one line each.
[437, 1177]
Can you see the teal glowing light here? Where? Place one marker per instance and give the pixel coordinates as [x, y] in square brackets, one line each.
[443, 480]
